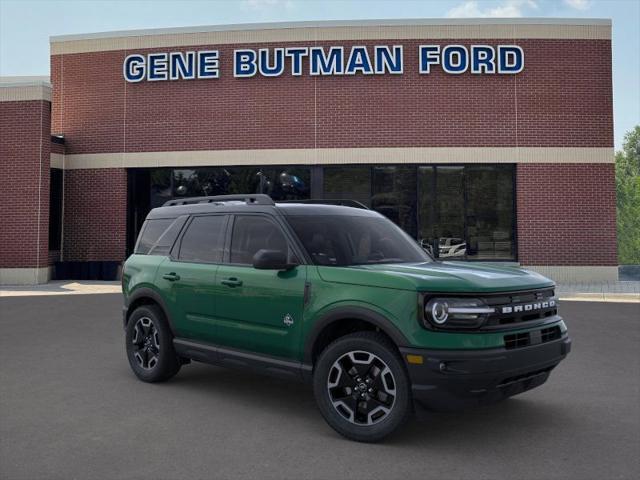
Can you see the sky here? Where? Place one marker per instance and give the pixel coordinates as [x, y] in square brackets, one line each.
[25, 26]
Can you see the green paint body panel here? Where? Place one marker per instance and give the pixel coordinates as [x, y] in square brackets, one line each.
[251, 315]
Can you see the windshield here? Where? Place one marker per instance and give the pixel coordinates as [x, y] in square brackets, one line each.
[343, 240]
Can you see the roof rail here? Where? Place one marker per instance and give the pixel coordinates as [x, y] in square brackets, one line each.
[255, 199]
[318, 201]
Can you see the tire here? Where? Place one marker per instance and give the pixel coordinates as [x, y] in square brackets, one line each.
[149, 345]
[361, 387]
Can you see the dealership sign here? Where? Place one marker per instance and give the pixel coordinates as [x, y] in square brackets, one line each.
[326, 61]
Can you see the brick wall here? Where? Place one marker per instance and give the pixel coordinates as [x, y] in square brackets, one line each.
[562, 98]
[57, 148]
[24, 197]
[95, 206]
[566, 214]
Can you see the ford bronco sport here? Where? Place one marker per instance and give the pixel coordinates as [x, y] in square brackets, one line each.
[338, 296]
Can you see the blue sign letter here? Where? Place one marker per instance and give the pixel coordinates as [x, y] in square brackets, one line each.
[296, 55]
[208, 64]
[274, 70]
[510, 59]
[385, 61]
[359, 61]
[181, 67]
[483, 59]
[244, 63]
[331, 64]
[455, 59]
[133, 68]
[157, 67]
[429, 55]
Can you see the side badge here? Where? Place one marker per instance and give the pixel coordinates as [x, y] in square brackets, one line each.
[287, 320]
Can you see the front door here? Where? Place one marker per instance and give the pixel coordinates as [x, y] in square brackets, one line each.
[258, 310]
[187, 279]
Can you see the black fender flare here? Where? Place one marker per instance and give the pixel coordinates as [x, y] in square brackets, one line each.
[146, 292]
[355, 313]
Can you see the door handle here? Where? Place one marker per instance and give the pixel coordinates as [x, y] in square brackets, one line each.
[232, 282]
[172, 277]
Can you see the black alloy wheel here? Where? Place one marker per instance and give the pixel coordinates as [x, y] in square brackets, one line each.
[362, 387]
[149, 344]
[146, 343]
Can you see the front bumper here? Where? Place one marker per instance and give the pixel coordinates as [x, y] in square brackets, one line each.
[453, 379]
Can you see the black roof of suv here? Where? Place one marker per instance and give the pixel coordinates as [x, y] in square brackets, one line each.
[258, 203]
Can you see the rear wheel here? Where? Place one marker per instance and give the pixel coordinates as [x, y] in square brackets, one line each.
[361, 387]
[149, 345]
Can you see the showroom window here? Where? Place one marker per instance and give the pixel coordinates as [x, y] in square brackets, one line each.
[394, 195]
[467, 212]
[459, 212]
[348, 183]
[490, 221]
[281, 183]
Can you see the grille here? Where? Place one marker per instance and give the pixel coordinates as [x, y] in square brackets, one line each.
[499, 320]
[519, 340]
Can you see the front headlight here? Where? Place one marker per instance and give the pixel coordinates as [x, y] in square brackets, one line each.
[456, 312]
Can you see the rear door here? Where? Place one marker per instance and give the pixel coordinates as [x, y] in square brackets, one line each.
[188, 276]
[259, 310]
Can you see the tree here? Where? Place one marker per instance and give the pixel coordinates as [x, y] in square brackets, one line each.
[628, 198]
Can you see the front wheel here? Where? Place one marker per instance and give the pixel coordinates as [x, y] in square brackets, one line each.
[361, 387]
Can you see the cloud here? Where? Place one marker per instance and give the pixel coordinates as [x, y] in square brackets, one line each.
[508, 8]
[578, 4]
[266, 4]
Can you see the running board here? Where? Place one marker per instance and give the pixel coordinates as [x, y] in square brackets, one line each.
[231, 358]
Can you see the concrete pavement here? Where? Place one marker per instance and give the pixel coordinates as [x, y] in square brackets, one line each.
[71, 408]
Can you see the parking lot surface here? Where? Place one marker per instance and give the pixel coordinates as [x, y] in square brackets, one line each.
[71, 408]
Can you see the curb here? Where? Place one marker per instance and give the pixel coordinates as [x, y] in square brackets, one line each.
[601, 297]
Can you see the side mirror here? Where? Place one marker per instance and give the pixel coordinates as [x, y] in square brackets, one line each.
[271, 260]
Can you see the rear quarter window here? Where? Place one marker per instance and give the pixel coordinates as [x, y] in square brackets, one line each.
[158, 235]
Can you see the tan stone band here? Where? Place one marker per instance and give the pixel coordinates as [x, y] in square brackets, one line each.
[336, 156]
[513, 29]
[22, 93]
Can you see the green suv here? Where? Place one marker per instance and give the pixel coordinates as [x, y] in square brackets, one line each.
[337, 296]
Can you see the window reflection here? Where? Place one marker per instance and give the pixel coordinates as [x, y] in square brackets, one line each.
[281, 183]
[348, 183]
[466, 212]
[457, 212]
[394, 195]
[489, 192]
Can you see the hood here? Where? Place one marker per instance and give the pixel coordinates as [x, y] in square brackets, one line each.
[438, 277]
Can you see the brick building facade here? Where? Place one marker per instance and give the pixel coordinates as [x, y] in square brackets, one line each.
[483, 166]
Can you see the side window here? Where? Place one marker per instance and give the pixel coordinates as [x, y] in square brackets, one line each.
[252, 233]
[150, 233]
[204, 239]
[163, 245]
